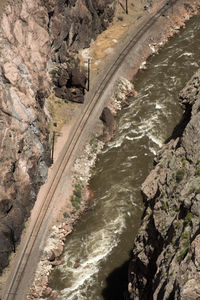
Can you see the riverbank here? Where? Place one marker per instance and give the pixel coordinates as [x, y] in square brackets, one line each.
[166, 254]
[165, 37]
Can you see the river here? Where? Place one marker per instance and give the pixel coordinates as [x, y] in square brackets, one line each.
[102, 240]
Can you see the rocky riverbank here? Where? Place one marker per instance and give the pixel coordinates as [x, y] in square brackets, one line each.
[37, 46]
[38, 42]
[166, 254]
[82, 172]
[53, 250]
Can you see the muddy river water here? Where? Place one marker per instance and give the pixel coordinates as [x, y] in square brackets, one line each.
[100, 246]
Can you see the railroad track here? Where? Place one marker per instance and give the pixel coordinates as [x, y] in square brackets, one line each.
[17, 275]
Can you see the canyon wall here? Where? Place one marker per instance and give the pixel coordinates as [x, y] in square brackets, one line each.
[36, 36]
[166, 254]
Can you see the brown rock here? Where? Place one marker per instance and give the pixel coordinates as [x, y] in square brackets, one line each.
[57, 252]
[5, 205]
[51, 256]
[78, 78]
[150, 186]
[76, 95]
[55, 294]
[63, 78]
[89, 193]
[67, 228]
[57, 262]
[46, 292]
[77, 265]
[109, 124]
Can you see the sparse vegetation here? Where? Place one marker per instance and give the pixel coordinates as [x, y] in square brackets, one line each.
[185, 239]
[188, 218]
[65, 215]
[93, 145]
[183, 160]
[197, 172]
[53, 72]
[165, 206]
[120, 18]
[180, 174]
[77, 196]
[182, 253]
[168, 255]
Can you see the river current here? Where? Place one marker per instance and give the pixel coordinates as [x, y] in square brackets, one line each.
[96, 254]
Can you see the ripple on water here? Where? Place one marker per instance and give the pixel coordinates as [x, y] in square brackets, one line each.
[104, 236]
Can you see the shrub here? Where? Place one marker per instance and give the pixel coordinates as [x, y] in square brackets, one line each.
[120, 18]
[77, 195]
[197, 172]
[65, 215]
[182, 253]
[188, 218]
[180, 174]
[53, 72]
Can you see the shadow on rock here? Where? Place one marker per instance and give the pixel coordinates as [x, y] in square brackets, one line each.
[117, 283]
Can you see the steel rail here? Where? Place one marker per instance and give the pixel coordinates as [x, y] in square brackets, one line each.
[69, 148]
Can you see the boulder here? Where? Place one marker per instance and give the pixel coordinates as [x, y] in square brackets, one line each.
[77, 95]
[78, 78]
[46, 292]
[63, 78]
[109, 124]
[5, 206]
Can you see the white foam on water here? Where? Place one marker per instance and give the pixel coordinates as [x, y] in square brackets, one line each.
[132, 157]
[143, 65]
[100, 245]
[147, 124]
[152, 150]
[132, 201]
[115, 143]
[194, 64]
[186, 54]
[155, 140]
[159, 106]
[134, 137]
[148, 87]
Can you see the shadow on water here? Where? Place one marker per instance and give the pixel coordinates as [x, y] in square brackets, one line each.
[180, 127]
[117, 283]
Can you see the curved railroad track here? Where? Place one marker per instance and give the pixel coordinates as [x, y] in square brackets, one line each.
[17, 275]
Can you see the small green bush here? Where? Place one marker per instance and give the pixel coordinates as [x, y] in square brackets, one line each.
[183, 160]
[180, 174]
[120, 18]
[197, 172]
[188, 218]
[182, 253]
[65, 215]
[77, 195]
[53, 72]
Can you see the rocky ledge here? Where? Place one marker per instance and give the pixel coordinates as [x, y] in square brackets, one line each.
[38, 42]
[166, 254]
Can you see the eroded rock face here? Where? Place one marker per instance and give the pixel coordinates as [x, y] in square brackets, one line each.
[109, 125]
[165, 262]
[34, 35]
[72, 25]
[24, 151]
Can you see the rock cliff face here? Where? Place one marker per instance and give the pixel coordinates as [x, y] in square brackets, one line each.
[35, 35]
[72, 25]
[166, 254]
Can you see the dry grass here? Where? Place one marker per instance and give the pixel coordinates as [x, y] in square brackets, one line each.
[60, 112]
[102, 48]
